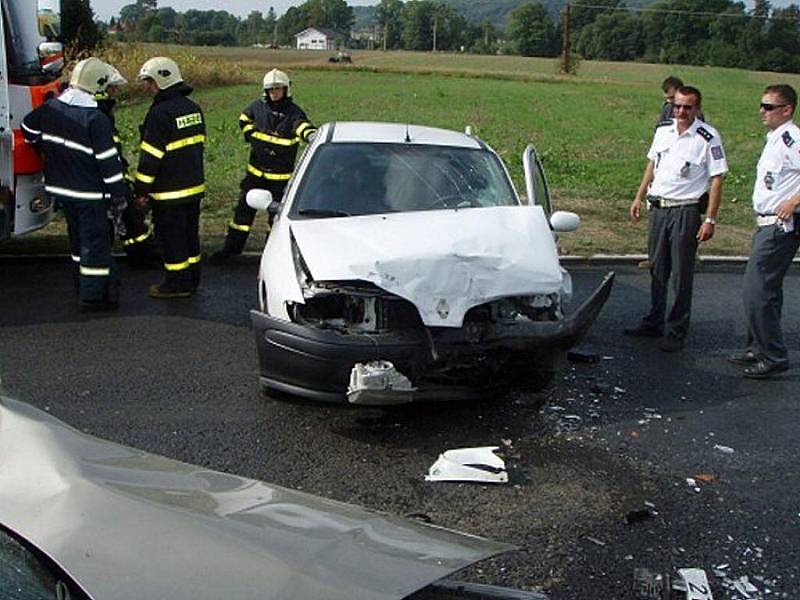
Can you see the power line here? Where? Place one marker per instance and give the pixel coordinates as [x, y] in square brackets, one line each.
[689, 13]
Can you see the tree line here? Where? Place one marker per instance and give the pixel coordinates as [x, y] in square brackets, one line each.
[704, 32]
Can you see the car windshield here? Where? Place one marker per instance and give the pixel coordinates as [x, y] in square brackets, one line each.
[370, 178]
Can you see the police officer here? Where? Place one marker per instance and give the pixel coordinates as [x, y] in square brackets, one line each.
[686, 160]
[138, 243]
[170, 175]
[273, 126]
[83, 171]
[776, 200]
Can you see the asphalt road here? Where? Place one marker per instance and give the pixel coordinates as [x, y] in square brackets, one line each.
[180, 379]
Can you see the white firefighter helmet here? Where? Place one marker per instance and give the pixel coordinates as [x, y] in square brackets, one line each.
[115, 77]
[91, 75]
[164, 71]
[277, 79]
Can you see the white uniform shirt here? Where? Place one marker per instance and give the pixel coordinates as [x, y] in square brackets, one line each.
[684, 164]
[778, 171]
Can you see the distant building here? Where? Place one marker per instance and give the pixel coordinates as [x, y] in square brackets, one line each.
[316, 38]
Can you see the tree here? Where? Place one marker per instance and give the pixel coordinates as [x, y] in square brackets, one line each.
[532, 30]
[78, 27]
[417, 20]
[330, 14]
[615, 36]
[389, 16]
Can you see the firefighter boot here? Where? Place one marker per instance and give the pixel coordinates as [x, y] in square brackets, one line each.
[194, 272]
[143, 254]
[234, 244]
[174, 285]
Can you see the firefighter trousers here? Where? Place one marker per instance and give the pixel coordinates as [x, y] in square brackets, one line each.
[243, 215]
[176, 227]
[90, 246]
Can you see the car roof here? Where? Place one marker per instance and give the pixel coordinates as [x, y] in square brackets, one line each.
[399, 133]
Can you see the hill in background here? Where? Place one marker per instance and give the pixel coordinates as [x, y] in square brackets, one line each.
[476, 11]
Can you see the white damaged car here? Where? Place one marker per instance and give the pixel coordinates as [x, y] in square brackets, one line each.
[403, 266]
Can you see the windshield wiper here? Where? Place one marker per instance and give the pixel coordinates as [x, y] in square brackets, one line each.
[322, 212]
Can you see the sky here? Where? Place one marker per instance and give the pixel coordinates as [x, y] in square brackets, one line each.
[105, 9]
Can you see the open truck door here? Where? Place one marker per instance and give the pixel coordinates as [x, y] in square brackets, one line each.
[31, 61]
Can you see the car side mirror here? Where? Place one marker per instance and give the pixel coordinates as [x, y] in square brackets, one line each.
[259, 199]
[563, 221]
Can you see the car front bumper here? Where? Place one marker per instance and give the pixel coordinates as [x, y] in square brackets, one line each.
[316, 363]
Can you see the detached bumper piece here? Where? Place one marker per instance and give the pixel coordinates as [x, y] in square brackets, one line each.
[327, 364]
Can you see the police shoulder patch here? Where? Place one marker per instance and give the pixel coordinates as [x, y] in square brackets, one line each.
[188, 120]
[705, 134]
[716, 152]
[787, 139]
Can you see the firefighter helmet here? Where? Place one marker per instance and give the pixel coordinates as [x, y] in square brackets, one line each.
[277, 79]
[115, 77]
[164, 71]
[91, 75]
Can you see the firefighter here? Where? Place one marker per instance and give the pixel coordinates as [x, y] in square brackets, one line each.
[170, 175]
[83, 171]
[273, 126]
[138, 242]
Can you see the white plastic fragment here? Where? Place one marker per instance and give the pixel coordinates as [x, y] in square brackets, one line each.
[724, 449]
[378, 383]
[696, 582]
[744, 587]
[480, 465]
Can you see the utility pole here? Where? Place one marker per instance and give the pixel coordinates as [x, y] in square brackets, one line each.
[435, 25]
[566, 51]
[385, 35]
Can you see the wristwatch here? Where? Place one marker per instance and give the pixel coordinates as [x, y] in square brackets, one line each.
[711, 221]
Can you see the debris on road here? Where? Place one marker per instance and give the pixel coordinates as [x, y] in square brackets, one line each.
[638, 515]
[692, 483]
[696, 584]
[724, 449]
[478, 465]
[595, 541]
[576, 355]
[649, 585]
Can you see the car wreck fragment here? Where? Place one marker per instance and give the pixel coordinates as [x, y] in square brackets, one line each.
[120, 523]
[409, 247]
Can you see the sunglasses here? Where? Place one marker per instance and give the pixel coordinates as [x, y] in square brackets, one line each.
[768, 107]
[683, 106]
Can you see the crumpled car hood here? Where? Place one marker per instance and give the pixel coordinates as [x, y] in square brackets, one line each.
[129, 525]
[444, 262]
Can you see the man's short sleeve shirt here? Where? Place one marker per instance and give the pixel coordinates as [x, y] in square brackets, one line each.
[684, 164]
[778, 170]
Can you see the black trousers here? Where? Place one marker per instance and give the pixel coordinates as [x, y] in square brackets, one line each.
[243, 215]
[90, 245]
[177, 230]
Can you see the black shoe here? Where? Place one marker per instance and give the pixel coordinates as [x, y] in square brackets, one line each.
[220, 257]
[671, 343]
[742, 359]
[160, 290]
[643, 331]
[764, 370]
[86, 306]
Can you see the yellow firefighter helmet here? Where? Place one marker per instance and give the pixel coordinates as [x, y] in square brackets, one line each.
[91, 75]
[164, 71]
[276, 79]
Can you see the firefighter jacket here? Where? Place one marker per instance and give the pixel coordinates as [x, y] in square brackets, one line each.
[81, 161]
[106, 104]
[274, 131]
[171, 152]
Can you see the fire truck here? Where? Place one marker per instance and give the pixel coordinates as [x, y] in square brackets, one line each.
[31, 62]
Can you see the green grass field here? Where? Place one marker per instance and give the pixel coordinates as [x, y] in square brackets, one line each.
[592, 130]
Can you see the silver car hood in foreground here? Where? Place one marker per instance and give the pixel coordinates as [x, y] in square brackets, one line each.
[128, 525]
[442, 261]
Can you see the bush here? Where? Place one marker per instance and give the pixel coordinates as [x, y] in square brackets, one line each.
[198, 72]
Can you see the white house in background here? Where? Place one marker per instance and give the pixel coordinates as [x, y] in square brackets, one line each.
[316, 38]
